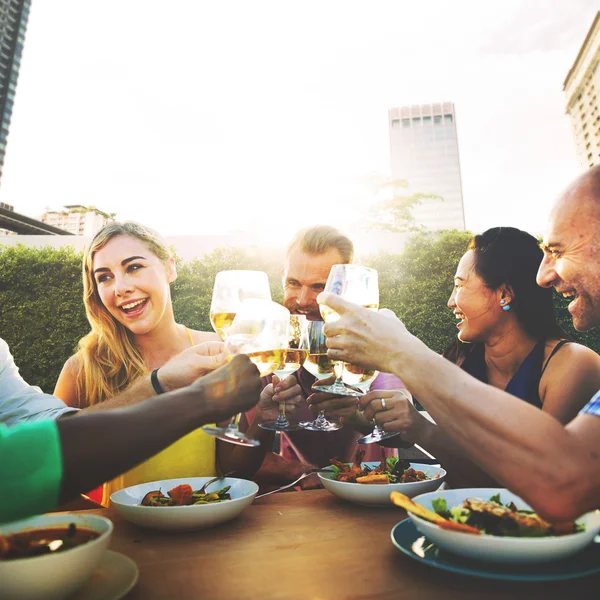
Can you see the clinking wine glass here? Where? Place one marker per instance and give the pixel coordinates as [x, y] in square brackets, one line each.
[259, 330]
[293, 356]
[320, 366]
[359, 285]
[231, 288]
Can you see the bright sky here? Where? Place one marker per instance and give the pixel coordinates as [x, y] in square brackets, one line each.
[199, 116]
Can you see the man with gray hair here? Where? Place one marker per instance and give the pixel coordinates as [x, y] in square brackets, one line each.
[309, 258]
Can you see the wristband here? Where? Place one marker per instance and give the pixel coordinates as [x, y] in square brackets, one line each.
[155, 383]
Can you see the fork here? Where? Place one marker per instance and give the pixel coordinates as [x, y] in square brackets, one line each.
[296, 481]
[202, 490]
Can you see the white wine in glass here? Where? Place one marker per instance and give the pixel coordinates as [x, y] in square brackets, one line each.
[359, 285]
[230, 290]
[322, 367]
[290, 360]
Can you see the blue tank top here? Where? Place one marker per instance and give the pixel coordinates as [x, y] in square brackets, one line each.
[525, 382]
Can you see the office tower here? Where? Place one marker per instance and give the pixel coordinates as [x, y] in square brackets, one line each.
[581, 90]
[13, 23]
[424, 152]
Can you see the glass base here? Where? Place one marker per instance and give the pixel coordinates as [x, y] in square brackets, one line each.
[231, 435]
[376, 436]
[338, 389]
[274, 426]
[320, 424]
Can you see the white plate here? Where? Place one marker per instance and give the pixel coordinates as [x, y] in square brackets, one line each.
[501, 549]
[379, 495]
[112, 580]
[182, 518]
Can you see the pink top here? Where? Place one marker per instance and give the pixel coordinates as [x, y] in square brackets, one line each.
[317, 448]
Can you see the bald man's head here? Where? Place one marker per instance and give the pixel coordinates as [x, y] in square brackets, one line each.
[571, 247]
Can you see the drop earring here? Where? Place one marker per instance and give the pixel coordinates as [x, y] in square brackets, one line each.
[505, 306]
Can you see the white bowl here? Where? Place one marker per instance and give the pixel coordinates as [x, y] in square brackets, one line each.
[182, 518]
[59, 574]
[496, 548]
[379, 494]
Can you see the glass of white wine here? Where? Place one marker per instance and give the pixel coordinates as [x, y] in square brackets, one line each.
[230, 290]
[259, 330]
[359, 285]
[320, 366]
[293, 356]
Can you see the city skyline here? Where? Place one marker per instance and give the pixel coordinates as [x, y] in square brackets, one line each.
[234, 115]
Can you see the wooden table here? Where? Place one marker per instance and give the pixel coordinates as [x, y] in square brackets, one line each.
[305, 545]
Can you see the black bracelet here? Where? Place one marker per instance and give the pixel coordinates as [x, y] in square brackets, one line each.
[155, 383]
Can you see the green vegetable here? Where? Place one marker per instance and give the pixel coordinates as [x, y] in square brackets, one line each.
[496, 498]
[440, 506]
[391, 462]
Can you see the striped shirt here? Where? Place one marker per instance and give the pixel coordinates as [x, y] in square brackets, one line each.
[592, 407]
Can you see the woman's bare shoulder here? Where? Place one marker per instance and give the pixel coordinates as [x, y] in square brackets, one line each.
[569, 351]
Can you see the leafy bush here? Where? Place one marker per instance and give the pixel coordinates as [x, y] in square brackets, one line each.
[42, 316]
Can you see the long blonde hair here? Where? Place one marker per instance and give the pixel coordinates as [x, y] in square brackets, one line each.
[108, 359]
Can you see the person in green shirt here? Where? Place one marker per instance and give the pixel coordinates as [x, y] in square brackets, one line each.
[46, 462]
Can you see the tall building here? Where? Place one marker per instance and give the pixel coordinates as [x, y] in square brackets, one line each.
[424, 152]
[77, 219]
[581, 89]
[13, 23]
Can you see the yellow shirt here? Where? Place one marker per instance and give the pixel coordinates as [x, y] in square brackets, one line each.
[194, 455]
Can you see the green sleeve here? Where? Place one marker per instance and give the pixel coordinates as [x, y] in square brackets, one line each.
[31, 469]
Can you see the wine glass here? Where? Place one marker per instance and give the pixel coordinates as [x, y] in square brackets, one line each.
[292, 358]
[230, 290]
[259, 330]
[320, 366]
[359, 285]
[379, 434]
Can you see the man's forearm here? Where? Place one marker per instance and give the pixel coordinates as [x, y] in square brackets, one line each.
[137, 392]
[524, 448]
[98, 447]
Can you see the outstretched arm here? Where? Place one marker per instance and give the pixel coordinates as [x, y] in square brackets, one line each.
[554, 468]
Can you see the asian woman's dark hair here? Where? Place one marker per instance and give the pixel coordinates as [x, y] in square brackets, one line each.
[509, 256]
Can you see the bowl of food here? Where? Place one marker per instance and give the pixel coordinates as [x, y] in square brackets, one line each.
[50, 556]
[493, 524]
[182, 504]
[371, 483]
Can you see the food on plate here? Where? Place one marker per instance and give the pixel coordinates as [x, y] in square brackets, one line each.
[409, 506]
[391, 470]
[489, 517]
[183, 495]
[35, 542]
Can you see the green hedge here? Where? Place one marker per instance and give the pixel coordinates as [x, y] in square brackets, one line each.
[42, 315]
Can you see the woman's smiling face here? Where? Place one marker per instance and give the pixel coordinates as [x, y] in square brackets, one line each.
[475, 305]
[133, 283]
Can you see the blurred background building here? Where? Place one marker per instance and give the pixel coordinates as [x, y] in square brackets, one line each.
[581, 89]
[77, 219]
[13, 23]
[424, 152]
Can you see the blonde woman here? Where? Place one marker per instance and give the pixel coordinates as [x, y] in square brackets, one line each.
[127, 272]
